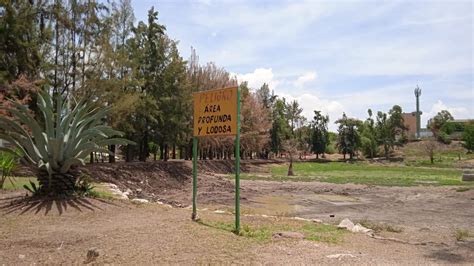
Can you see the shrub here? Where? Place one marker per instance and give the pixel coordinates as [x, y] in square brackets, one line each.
[57, 147]
[444, 138]
[468, 137]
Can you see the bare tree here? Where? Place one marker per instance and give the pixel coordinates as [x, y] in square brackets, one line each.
[290, 146]
[430, 147]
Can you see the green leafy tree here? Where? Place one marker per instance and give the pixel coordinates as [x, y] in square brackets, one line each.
[390, 129]
[468, 137]
[22, 40]
[293, 112]
[281, 129]
[369, 137]
[436, 123]
[348, 141]
[319, 134]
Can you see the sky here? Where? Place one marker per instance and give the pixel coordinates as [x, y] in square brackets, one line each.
[336, 56]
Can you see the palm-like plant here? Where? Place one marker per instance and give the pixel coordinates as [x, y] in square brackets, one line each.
[60, 143]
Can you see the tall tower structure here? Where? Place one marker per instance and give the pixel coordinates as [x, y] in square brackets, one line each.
[418, 112]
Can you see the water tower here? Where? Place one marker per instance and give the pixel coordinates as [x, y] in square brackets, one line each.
[418, 112]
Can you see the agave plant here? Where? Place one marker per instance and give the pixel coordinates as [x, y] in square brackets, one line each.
[61, 142]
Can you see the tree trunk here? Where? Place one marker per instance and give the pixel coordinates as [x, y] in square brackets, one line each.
[174, 151]
[91, 157]
[112, 156]
[128, 153]
[162, 151]
[290, 168]
[166, 153]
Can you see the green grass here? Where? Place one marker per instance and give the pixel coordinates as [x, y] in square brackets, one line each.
[98, 191]
[101, 192]
[18, 183]
[263, 233]
[363, 173]
[449, 156]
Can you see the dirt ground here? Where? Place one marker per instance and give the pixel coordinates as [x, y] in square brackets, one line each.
[124, 233]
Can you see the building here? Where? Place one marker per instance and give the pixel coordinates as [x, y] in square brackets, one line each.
[410, 123]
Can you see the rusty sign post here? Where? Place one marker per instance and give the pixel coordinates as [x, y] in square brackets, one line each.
[217, 113]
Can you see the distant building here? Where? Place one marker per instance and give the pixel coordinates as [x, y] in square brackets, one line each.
[455, 128]
[410, 123]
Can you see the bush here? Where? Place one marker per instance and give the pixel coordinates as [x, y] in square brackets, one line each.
[8, 163]
[468, 137]
[444, 138]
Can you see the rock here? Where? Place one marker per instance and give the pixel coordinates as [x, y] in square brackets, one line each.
[140, 201]
[358, 228]
[346, 224]
[339, 256]
[317, 221]
[294, 235]
[301, 219]
[92, 255]
[21, 257]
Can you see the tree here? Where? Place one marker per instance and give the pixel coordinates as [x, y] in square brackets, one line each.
[293, 112]
[22, 40]
[390, 129]
[368, 137]
[468, 137]
[280, 130]
[290, 146]
[348, 141]
[255, 124]
[430, 147]
[319, 133]
[438, 121]
[265, 97]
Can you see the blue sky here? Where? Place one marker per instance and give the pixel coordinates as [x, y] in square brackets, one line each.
[336, 56]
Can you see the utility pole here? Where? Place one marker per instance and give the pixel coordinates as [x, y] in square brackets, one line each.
[418, 112]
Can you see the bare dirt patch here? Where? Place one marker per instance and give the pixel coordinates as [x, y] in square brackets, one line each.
[125, 233]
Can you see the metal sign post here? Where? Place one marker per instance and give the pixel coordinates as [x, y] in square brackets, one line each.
[195, 144]
[237, 168]
[217, 113]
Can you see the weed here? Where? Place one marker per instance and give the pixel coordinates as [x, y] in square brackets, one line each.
[461, 234]
[379, 227]
[263, 233]
[463, 189]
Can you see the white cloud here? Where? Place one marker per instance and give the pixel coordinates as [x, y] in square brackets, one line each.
[259, 76]
[456, 111]
[301, 80]
[310, 102]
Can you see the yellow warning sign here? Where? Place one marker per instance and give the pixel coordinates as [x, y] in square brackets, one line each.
[215, 112]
